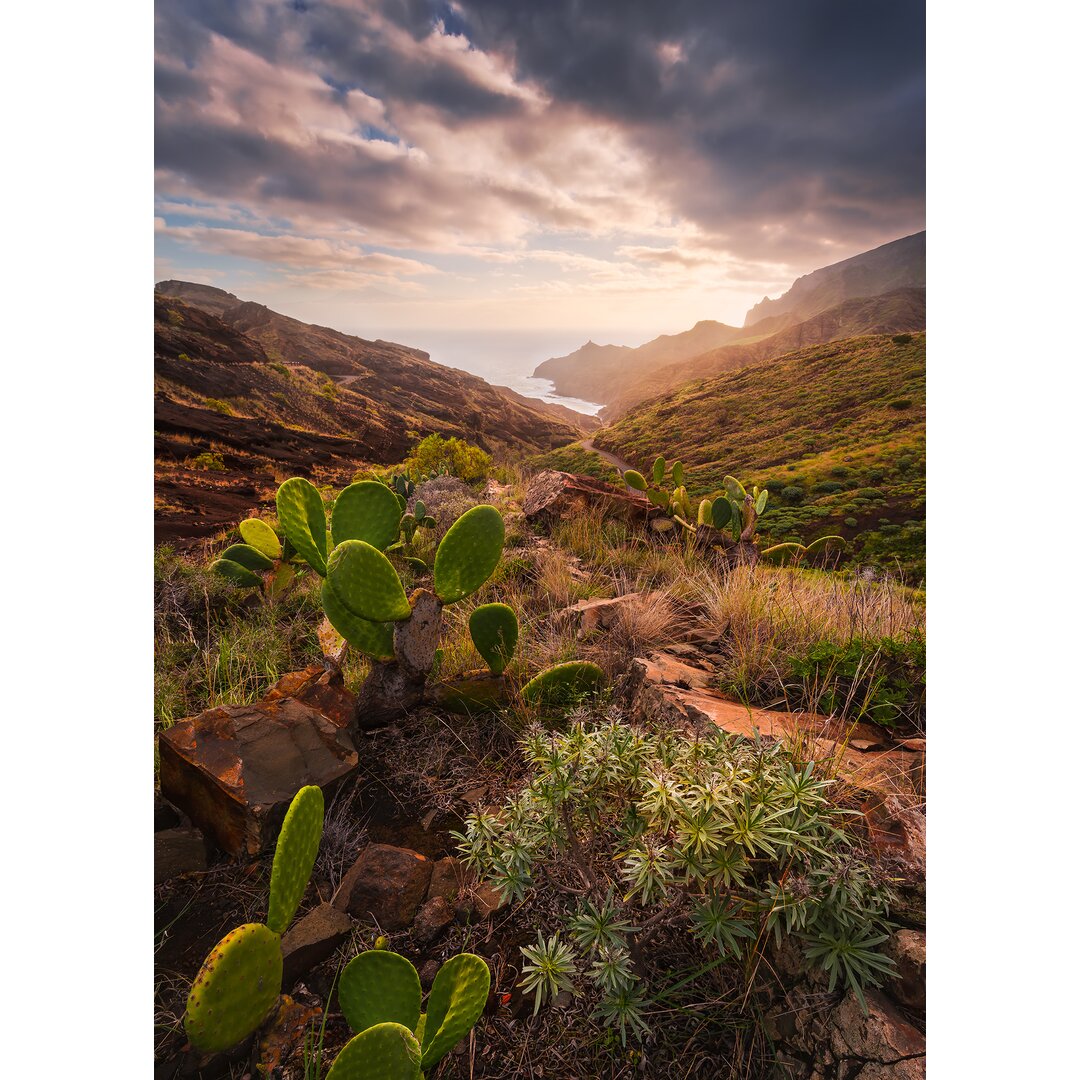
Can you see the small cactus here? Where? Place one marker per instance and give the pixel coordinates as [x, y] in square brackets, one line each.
[494, 631]
[468, 553]
[366, 511]
[383, 1052]
[377, 987]
[294, 856]
[259, 535]
[301, 514]
[563, 683]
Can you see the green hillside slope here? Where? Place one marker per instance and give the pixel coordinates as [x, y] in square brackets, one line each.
[836, 432]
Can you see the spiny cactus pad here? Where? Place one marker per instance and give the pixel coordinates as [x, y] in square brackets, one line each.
[457, 999]
[563, 683]
[236, 987]
[635, 480]
[297, 846]
[494, 630]
[247, 556]
[367, 584]
[734, 489]
[659, 466]
[367, 511]
[721, 513]
[300, 511]
[259, 535]
[379, 987]
[759, 503]
[373, 639]
[239, 575]
[468, 553]
[383, 1052]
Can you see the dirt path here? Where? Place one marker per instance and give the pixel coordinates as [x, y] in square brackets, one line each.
[611, 459]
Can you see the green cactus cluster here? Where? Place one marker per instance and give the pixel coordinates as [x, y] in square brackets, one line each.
[379, 991]
[240, 979]
[674, 500]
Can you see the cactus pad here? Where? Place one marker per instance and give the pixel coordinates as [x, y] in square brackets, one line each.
[458, 997]
[677, 474]
[734, 489]
[494, 630]
[259, 535]
[301, 514]
[563, 683]
[759, 503]
[635, 480]
[239, 575]
[383, 1052]
[721, 513]
[704, 512]
[468, 553]
[247, 556]
[379, 987]
[373, 639]
[236, 987]
[297, 846]
[367, 511]
[367, 584]
[659, 466]
[280, 580]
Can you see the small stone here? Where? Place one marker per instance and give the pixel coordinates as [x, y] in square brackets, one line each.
[386, 884]
[312, 940]
[178, 851]
[488, 900]
[428, 973]
[433, 917]
[449, 878]
[908, 951]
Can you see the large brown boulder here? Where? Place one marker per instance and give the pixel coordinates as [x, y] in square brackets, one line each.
[311, 940]
[386, 885]
[234, 769]
[556, 496]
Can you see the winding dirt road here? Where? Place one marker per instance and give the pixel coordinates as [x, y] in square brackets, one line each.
[611, 459]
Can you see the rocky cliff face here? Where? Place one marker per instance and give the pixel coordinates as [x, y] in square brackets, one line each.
[897, 265]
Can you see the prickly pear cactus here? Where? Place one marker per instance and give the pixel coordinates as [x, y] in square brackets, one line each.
[247, 556]
[563, 683]
[760, 501]
[494, 630]
[677, 474]
[364, 580]
[704, 512]
[379, 987]
[457, 999]
[235, 989]
[383, 1052]
[468, 553]
[635, 480]
[658, 469]
[373, 639]
[259, 535]
[301, 514]
[294, 856]
[367, 511]
[734, 489]
[239, 575]
[721, 513]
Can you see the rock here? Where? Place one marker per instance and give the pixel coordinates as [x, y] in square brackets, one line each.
[334, 646]
[663, 667]
[321, 689]
[428, 973]
[897, 832]
[557, 496]
[449, 879]
[487, 900]
[313, 939]
[589, 615]
[178, 851]
[165, 816]
[234, 769]
[891, 1048]
[387, 694]
[434, 916]
[385, 885]
[908, 951]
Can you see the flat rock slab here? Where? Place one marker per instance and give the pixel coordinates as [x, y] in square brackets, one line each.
[386, 885]
[234, 770]
[588, 615]
[554, 495]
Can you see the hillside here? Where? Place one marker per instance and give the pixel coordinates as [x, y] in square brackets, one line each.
[836, 432]
[896, 265]
[594, 372]
[238, 400]
[903, 310]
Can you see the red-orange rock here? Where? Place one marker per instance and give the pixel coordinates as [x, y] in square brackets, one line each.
[385, 885]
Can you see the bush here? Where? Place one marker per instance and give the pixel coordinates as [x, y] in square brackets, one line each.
[851, 522]
[902, 339]
[827, 487]
[793, 494]
[720, 839]
[901, 403]
[208, 459]
[220, 406]
[456, 457]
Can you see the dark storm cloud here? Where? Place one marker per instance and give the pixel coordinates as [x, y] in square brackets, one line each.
[782, 130]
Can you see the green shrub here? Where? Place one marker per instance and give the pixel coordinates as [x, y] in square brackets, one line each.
[438, 456]
[902, 339]
[220, 406]
[851, 522]
[827, 487]
[793, 494]
[900, 403]
[208, 459]
[281, 369]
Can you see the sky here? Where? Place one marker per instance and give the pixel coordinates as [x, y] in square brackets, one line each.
[605, 169]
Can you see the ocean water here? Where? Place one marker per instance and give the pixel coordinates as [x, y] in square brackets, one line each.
[504, 358]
